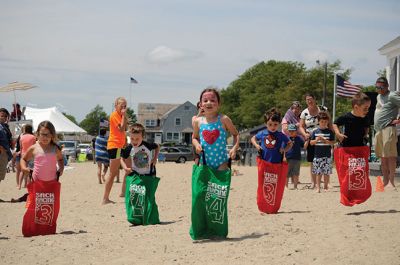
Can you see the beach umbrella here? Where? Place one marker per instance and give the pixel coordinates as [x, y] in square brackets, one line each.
[16, 86]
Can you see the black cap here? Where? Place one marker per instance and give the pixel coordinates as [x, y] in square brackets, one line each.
[382, 80]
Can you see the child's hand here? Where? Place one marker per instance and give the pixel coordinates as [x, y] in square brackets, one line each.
[232, 153]
[198, 149]
[128, 170]
[341, 137]
[281, 150]
[26, 170]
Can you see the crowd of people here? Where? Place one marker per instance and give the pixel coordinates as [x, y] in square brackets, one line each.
[38, 157]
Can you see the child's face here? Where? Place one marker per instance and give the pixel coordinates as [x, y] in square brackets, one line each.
[3, 117]
[121, 105]
[361, 110]
[136, 139]
[209, 102]
[323, 124]
[292, 133]
[272, 126]
[44, 136]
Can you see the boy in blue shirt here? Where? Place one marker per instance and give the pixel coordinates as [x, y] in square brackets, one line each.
[293, 156]
[270, 143]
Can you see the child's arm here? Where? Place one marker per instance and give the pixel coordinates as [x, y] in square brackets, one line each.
[156, 152]
[235, 134]
[125, 167]
[196, 137]
[339, 135]
[253, 140]
[124, 122]
[27, 156]
[288, 146]
[60, 161]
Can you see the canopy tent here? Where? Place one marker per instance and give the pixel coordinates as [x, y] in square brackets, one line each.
[60, 122]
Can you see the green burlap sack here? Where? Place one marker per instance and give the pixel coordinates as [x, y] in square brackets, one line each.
[210, 192]
[140, 202]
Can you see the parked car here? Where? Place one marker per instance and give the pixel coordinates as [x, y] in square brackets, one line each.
[86, 149]
[177, 154]
[70, 148]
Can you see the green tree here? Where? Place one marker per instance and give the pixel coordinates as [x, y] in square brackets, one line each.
[131, 115]
[92, 119]
[70, 117]
[277, 84]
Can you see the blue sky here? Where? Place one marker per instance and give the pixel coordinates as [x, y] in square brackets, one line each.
[82, 53]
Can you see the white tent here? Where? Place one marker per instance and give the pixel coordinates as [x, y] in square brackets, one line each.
[60, 122]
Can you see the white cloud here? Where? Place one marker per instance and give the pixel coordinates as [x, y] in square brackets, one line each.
[164, 55]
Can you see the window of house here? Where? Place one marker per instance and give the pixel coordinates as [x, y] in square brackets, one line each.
[169, 136]
[173, 136]
[177, 121]
[150, 108]
[150, 123]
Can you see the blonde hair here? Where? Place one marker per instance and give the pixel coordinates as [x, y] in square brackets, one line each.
[119, 99]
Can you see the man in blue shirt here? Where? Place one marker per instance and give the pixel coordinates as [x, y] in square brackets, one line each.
[5, 142]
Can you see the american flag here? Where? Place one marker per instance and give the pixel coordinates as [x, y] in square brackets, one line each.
[133, 80]
[345, 88]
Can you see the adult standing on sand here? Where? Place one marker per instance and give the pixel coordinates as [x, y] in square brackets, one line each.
[308, 123]
[116, 142]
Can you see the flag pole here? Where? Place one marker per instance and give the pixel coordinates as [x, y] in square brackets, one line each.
[334, 97]
[130, 95]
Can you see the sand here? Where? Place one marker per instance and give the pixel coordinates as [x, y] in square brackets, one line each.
[310, 228]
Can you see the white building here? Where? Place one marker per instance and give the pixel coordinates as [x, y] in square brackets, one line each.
[392, 52]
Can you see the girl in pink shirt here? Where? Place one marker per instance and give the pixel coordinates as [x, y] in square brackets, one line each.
[45, 153]
[26, 140]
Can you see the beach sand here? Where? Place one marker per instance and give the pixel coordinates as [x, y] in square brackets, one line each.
[310, 228]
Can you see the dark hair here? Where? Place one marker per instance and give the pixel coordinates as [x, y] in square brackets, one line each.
[103, 131]
[5, 111]
[211, 89]
[323, 115]
[137, 128]
[49, 126]
[382, 79]
[273, 115]
[28, 129]
[309, 95]
[359, 99]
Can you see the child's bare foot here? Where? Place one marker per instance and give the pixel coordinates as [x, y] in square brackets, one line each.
[108, 201]
[318, 190]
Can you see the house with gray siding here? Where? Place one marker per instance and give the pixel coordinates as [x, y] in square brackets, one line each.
[176, 124]
[167, 122]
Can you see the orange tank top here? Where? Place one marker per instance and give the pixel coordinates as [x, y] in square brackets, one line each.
[116, 139]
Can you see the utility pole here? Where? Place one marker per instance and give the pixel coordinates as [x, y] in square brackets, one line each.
[325, 65]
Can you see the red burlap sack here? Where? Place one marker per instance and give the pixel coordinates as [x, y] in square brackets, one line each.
[353, 173]
[43, 205]
[271, 185]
